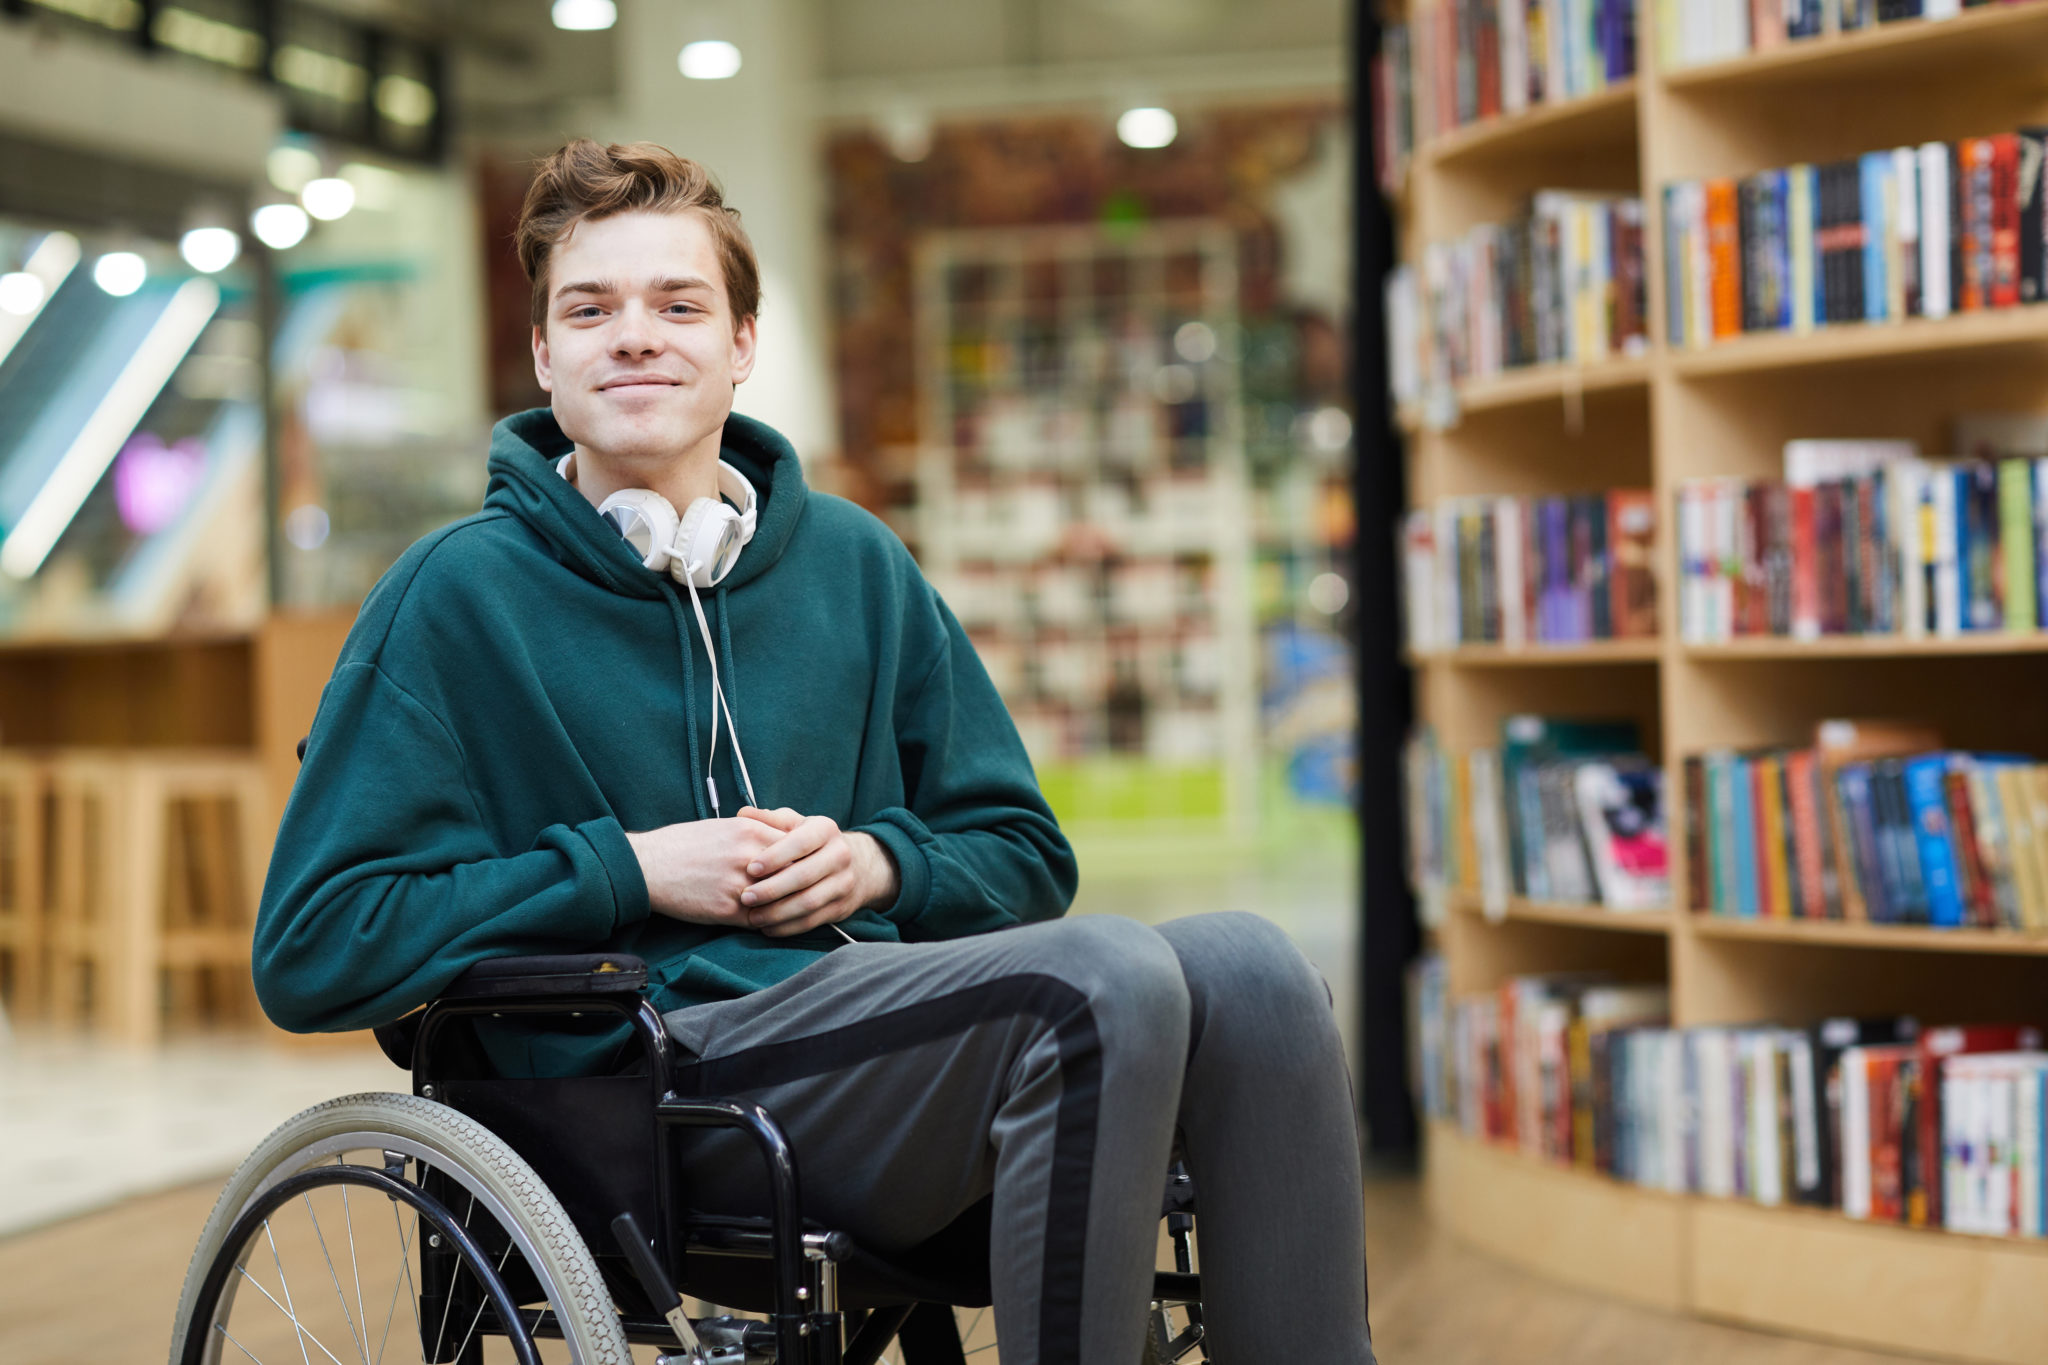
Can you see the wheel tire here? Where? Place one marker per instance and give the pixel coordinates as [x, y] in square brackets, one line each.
[457, 1147]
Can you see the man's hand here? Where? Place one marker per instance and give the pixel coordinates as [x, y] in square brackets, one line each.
[696, 870]
[814, 874]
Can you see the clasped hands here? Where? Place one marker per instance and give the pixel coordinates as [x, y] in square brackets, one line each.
[771, 870]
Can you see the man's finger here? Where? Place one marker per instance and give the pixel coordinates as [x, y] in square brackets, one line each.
[801, 842]
[798, 876]
[783, 819]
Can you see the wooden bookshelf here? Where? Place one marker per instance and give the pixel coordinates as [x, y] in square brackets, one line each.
[1872, 646]
[1576, 916]
[1727, 410]
[1607, 115]
[1542, 655]
[1810, 1272]
[1897, 937]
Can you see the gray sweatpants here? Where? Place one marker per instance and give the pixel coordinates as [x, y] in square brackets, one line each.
[1054, 1065]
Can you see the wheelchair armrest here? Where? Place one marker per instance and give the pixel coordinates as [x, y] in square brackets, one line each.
[525, 978]
[569, 974]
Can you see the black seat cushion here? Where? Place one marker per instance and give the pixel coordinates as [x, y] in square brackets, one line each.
[952, 1268]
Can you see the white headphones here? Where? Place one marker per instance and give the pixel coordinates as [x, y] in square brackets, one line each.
[698, 548]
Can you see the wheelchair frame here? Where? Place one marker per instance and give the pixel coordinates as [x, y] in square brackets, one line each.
[634, 1214]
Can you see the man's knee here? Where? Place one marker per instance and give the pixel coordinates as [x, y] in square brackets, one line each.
[1129, 977]
[1238, 953]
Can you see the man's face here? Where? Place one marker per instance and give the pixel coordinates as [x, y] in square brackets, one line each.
[640, 350]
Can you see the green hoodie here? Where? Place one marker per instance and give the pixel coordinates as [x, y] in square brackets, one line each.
[519, 691]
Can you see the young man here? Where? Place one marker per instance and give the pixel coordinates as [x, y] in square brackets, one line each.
[520, 753]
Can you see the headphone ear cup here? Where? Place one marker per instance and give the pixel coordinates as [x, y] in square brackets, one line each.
[707, 543]
[645, 520]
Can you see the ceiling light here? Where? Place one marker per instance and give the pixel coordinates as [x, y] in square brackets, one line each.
[1147, 127]
[328, 198]
[20, 293]
[120, 273]
[582, 16]
[376, 187]
[710, 59]
[209, 250]
[290, 167]
[280, 226]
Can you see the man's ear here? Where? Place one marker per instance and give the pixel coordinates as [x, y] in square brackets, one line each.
[743, 351]
[543, 368]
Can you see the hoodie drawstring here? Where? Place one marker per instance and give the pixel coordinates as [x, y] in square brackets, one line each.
[675, 611]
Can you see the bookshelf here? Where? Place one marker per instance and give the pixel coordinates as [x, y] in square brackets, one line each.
[1726, 410]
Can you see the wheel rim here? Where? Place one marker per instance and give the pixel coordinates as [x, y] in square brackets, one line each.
[326, 1261]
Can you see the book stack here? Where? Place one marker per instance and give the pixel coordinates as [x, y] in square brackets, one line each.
[1874, 1117]
[1874, 822]
[1478, 59]
[1520, 571]
[1694, 31]
[1864, 538]
[1562, 283]
[1563, 811]
[1945, 227]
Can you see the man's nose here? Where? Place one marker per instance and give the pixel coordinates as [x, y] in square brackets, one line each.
[634, 332]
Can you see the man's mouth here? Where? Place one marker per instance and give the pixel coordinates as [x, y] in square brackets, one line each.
[641, 382]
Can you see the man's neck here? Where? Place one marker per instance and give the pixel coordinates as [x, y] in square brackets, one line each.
[681, 478]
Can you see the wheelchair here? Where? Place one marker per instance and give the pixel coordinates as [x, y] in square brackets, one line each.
[551, 1219]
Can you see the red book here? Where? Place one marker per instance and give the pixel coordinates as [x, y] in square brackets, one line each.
[1631, 551]
[2005, 220]
[1979, 898]
[1805, 814]
[1887, 1135]
[1487, 54]
[1805, 567]
[1724, 259]
[1936, 1045]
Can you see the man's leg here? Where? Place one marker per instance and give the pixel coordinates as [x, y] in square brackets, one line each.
[1270, 1137]
[1043, 1063]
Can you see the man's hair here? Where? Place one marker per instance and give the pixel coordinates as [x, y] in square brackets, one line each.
[585, 180]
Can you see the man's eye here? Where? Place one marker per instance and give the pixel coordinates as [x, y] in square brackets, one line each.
[681, 308]
[588, 310]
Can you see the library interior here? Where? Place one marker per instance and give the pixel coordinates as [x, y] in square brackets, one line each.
[1543, 503]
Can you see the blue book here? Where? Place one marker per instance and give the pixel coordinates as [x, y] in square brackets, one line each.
[2038, 478]
[1721, 821]
[1781, 245]
[1814, 238]
[1927, 798]
[1741, 780]
[1876, 171]
[1853, 782]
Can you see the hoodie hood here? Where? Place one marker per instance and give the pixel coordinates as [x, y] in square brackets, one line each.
[526, 446]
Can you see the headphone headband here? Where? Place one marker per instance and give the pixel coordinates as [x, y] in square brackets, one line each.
[702, 544]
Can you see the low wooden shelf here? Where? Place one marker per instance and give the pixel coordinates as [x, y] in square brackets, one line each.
[1573, 914]
[1607, 115]
[2017, 329]
[1812, 1272]
[1917, 938]
[1630, 651]
[1964, 46]
[1871, 646]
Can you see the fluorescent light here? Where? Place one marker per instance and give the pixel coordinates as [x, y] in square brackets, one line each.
[280, 226]
[21, 294]
[290, 167]
[1147, 127]
[710, 59]
[583, 16]
[124, 404]
[210, 249]
[47, 266]
[328, 198]
[120, 273]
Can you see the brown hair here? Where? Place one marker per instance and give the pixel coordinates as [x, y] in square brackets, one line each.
[586, 180]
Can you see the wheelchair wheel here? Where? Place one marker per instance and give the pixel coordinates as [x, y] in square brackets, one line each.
[388, 1227]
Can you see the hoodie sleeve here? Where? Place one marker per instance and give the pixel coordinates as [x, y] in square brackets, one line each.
[976, 845]
[384, 887]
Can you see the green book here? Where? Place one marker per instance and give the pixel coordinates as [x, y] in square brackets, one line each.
[2016, 542]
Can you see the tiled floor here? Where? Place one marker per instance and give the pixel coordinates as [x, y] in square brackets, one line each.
[84, 1125]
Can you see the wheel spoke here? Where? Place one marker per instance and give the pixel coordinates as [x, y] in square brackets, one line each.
[405, 1240]
[340, 1297]
[305, 1333]
[222, 1328]
[479, 1315]
[448, 1301]
[356, 1269]
[285, 1285]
